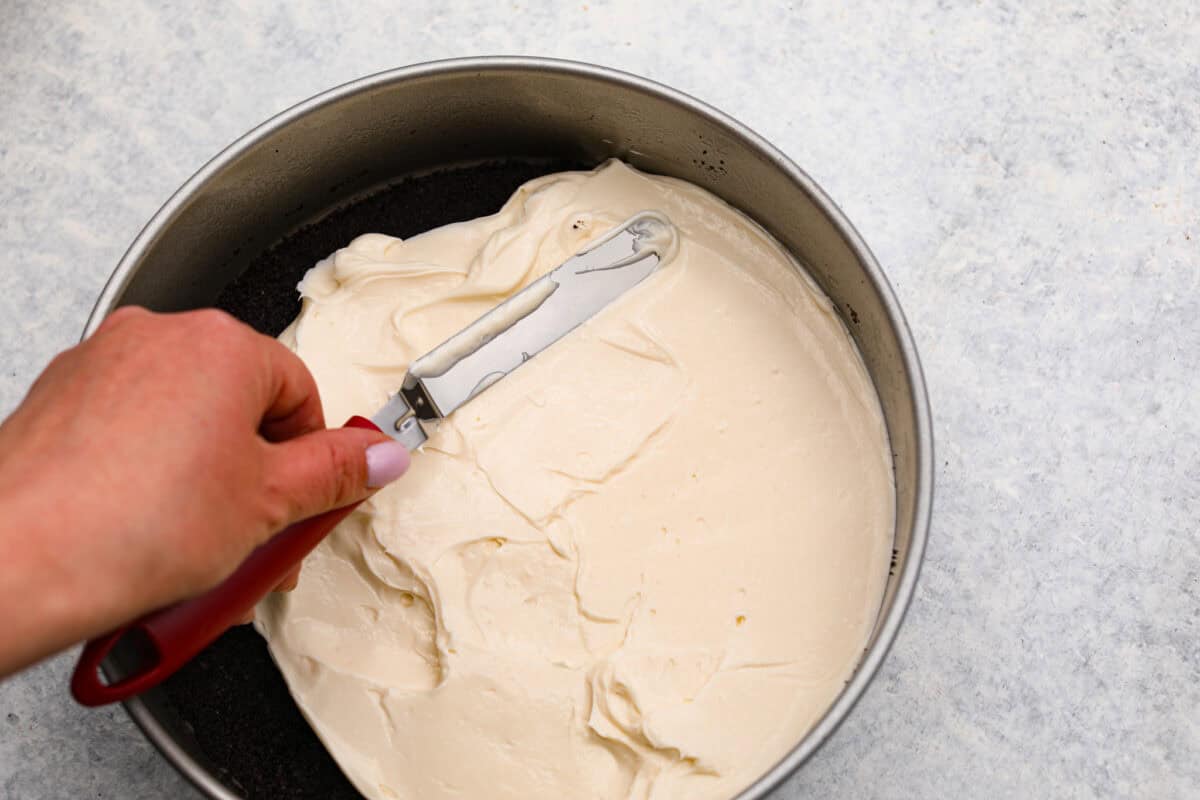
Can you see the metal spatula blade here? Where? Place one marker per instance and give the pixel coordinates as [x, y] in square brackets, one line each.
[527, 323]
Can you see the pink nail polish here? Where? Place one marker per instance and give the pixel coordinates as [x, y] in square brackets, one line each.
[386, 462]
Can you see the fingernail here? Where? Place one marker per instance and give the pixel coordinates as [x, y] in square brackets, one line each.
[386, 461]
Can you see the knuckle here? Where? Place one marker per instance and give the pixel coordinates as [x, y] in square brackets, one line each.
[345, 470]
[60, 361]
[211, 317]
[218, 336]
[121, 316]
[278, 508]
[215, 323]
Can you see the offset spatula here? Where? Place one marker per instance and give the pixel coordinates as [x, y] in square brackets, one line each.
[436, 385]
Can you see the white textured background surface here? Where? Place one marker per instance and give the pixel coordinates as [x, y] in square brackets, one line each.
[1028, 175]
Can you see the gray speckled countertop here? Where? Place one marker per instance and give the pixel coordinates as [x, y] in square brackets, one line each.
[1029, 176]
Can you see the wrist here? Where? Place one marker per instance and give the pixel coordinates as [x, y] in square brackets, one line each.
[44, 597]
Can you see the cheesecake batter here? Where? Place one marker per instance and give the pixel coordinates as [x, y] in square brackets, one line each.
[642, 565]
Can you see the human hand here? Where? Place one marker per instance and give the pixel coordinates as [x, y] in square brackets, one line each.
[147, 462]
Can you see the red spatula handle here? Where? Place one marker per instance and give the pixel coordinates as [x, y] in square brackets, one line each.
[177, 633]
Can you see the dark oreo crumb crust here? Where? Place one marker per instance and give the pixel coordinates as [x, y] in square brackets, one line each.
[265, 295]
[231, 699]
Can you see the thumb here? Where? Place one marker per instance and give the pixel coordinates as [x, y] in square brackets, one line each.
[328, 469]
